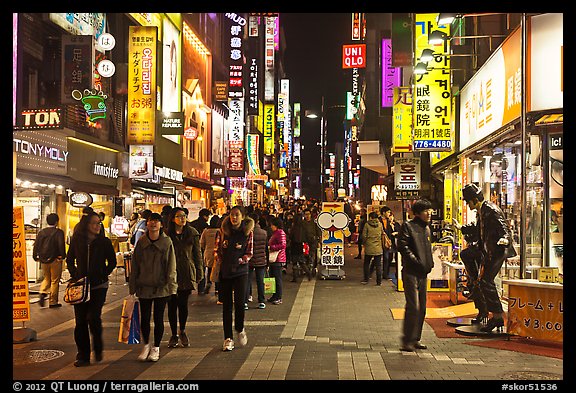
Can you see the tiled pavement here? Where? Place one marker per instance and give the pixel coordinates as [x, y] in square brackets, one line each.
[324, 330]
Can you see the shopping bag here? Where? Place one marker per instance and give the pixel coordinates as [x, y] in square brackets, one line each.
[269, 285]
[134, 336]
[128, 306]
[77, 291]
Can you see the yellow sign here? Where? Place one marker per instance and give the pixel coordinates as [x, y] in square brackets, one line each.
[536, 312]
[432, 91]
[334, 224]
[448, 197]
[20, 299]
[141, 85]
[402, 120]
[269, 125]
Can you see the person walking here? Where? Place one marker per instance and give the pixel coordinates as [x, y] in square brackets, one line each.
[153, 281]
[277, 242]
[361, 223]
[207, 239]
[189, 271]
[201, 222]
[258, 263]
[312, 236]
[496, 244]
[296, 242]
[416, 249]
[49, 249]
[141, 226]
[373, 248]
[385, 213]
[90, 255]
[233, 250]
[165, 213]
[394, 230]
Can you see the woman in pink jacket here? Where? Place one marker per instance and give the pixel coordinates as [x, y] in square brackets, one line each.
[277, 242]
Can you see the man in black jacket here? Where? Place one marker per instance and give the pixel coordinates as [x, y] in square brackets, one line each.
[416, 249]
[496, 245]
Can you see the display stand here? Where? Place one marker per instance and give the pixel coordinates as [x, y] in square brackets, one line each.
[474, 330]
[331, 273]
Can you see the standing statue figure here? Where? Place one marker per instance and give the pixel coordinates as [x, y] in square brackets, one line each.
[496, 244]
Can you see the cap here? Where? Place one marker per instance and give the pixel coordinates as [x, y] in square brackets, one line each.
[471, 191]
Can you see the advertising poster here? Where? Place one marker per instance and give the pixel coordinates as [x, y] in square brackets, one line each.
[141, 164]
[170, 70]
[20, 299]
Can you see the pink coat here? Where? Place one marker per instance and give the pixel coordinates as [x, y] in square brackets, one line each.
[278, 242]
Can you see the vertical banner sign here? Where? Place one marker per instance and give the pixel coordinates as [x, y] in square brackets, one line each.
[269, 126]
[437, 156]
[448, 181]
[233, 32]
[253, 30]
[236, 135]
[20, 296]
[77, 65]
[252, 153]
[280, 119]
[287, 142]
[252, 108]
[354, 56]
[390, 75]
[432, 97]
[269, 58]
[141, 85]
[356, 26]
[171, 62]
[296, 120]
[407, 173]
[402, 120]
[334, 224]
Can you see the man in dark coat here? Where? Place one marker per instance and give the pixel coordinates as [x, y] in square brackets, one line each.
[201, 222]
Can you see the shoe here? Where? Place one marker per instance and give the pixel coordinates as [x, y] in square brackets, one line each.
[480, 318]
[207, 289]
[419, 345]
[219, 302]
[309, 274]
[42, 301]
[408, 348]
[250, 298]
[154, 354]
[364, 282]
[98, 356]
[55, 305]
[271, 299]
[358, 257]
[81, 363]
[245, 306]
[228, 345]
[493, 323]
[378, 284]
[145, 352]
[184, 339]
[277, 301]
[261, 305]
[242, 338]
[173, 342]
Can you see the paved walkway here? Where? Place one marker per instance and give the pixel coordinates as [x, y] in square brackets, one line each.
[324, 330]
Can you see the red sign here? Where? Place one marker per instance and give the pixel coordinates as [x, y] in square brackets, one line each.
[354, 56]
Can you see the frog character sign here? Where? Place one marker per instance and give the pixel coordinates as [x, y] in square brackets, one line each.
[334, 224]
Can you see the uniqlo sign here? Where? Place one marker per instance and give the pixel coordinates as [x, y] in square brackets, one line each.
[354, 56]
[407, 173]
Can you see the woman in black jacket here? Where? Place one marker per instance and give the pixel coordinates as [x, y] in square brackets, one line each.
[189, 271]
[90, 254]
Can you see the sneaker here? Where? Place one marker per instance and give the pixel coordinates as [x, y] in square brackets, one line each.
[184, 339]
[407, 348]
[250, 298]
[173, 342]
[219, 302]
[154, 354]
[419, 345]
[42, 301]
[81, 363]
[55, 305]
[243, 338]
[277, 301]
[245, 306]
[271, 299]
[363, 282]
[261, 305]
[145, 352]
[228, 345]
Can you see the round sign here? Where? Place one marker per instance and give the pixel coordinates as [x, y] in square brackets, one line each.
[107, 41]
[106, 68]
[80, 199]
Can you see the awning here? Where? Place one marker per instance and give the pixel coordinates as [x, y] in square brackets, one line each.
[555, 118]
[197, 183]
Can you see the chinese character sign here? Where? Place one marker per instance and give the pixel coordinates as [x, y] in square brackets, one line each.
[77, 65]
[407, 173]
[334, 224]
[402, 120]
[20, 302]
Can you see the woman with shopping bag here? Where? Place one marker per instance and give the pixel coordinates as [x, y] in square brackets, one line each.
[277, 257]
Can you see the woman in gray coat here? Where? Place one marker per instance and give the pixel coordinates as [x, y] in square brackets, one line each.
[153, 281]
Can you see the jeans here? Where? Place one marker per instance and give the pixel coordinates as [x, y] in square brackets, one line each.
[178, 310]
[415, 289]
[275, 270]
[233, 286]
[492, 264]
[377, 263]
[260, 273]
[145, 314]
[299, 262]
[386, 261]
[88, 318]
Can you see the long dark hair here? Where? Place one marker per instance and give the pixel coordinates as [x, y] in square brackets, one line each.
[171, 230]
[81, 229]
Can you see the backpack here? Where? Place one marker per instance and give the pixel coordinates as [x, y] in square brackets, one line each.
[47, 249]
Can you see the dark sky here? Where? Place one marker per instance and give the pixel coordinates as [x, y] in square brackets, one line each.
[313, 64]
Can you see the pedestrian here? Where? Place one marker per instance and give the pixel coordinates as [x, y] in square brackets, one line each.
[277, 242]
[201, 222]
[233, 249]
[90, 255]
[207, 240]
[296, 242]
[416, 249]
[189, 271]
[102, 217]
[165, 213]
[153, 281]
[394, 230]
[361, 223]
[496, 244]
[373, 247]
[313, 237]
[49, 249]
[134, 218]
[141, 227]
[258, 263]
[385, 213]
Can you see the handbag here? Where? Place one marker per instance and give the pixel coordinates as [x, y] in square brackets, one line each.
[77, 291]
[130, 321]
[386, 242]
[273, 256]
